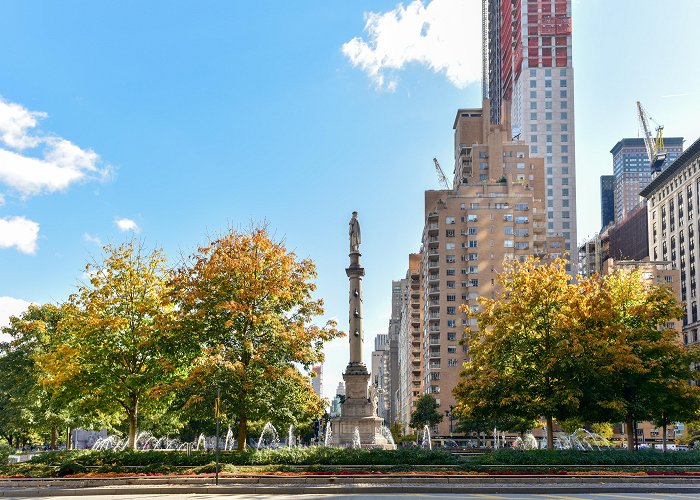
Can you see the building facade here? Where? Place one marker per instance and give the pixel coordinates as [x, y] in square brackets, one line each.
[381, 375]
[410, 337]
[673, 202]
[494, 211]
[632, 172]
[530, 64]
[607, 200]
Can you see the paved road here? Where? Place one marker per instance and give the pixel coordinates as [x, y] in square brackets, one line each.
[422, 496]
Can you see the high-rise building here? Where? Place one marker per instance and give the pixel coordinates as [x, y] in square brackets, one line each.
[529, 63]
[410, 366]
[632, 171]
[607, 200]
[673, 206]
[494, 211]
[381, 375]
[398, 296]
[317, 381]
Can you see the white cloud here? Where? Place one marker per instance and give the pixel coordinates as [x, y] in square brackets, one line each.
[19, 232]
[444, 36]
[2, 199]
[92, 239]
[9, 306]
[32, 163]
[127, 225]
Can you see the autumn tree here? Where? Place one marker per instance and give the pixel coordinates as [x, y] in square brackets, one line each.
[427, 412]
[644, 367]
[246, 303]
[25, 405]
[116, 349]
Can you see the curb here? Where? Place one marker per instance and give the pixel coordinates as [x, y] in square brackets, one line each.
[351, 489]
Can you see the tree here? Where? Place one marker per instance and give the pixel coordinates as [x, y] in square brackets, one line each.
[116, 349]
[523, 361]
[426, 413]
[246, 304]
[23, 400]
[644, 366]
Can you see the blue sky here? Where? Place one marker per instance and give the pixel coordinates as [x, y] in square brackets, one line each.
[175, 120]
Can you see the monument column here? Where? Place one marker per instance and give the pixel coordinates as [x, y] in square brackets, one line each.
[355, 273]
[358, 413]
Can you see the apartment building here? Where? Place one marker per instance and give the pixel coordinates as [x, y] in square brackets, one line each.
[410, 360]
[673, 203]
[381, 375]
[530, 64]
[494, 211]
[607, 200]
[632, 172]
[317, 381]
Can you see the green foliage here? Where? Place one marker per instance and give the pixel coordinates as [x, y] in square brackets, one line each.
[426, 413]
[575, 457]
[5, 452]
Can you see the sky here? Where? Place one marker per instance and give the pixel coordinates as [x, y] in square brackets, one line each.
[173, 121]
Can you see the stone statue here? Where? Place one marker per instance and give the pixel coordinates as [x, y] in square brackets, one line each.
[354, 232]
[374, 398]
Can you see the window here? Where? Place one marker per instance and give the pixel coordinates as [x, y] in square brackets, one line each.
[451, 349]
[451, 362]
[562, 83]
[564, 137]
[521, 206]
[451, 298]
[533, 84]
[472, 217]
[450, 284]
[473, 243]
[507, 230]
[473, 256]
[533, 138]
[533, 105]
[461, 206]
[483, 165]
[521, 220]
[449, 246]
[508, 217]
[473, 269]
[474, 282]
[450, 233]
[449, 220]
[472, 230]
[451, 272]
[451, 310]
[451, 323]
[508, 243]
[449, 259]
[533, 116]
[451, 336]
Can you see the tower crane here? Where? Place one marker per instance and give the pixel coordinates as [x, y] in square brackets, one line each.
[655, 147]
[441, 175]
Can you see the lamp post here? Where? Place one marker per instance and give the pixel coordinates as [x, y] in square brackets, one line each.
[448, 414]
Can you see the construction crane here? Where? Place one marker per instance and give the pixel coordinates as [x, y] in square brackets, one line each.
[441, 174]
[655, 147]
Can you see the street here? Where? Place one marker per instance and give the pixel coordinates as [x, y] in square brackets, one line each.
[421, 496]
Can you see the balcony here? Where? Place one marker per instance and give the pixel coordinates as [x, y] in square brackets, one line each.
[433, 251]
[434, 265]
[434, 353]
[434, 303]
[432, 317]
[433, 290]
[433, 215]
[434, 328]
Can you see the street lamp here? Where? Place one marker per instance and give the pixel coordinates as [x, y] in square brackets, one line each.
[448, 414]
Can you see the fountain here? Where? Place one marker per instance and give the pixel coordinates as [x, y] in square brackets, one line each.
[389, 438]
[356, 443]
[273, 438]
[425, 441]
[528, 442]
[329, 434]
[291, 440]
[229, 442]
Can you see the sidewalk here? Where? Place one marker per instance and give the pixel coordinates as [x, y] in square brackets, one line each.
[349, 484]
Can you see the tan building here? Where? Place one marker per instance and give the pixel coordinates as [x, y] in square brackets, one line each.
[410, 337]
[494, 211]
[673, 206]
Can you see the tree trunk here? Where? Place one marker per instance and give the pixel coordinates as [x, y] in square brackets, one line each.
[68, 443]
[54, 436]
[663, 437]
[550, 432]
[631, 431]
[133, 421]
[242, 433]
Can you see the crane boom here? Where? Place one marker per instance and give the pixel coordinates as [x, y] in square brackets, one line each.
[654, 146]
[441, 175]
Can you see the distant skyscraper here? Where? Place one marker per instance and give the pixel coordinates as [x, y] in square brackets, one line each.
[632, 173]
[529, 62]
[317, 381]
[607, 200]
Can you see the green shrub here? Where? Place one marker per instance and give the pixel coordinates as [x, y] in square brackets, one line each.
[591, 457]
[69, 467]
[5, 452]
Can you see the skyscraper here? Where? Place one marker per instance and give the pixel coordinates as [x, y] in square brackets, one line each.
[529, 62]
[632, 172]
[607, 200]
[494, 211]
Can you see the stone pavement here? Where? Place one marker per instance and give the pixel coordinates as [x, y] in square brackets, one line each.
[337, 485]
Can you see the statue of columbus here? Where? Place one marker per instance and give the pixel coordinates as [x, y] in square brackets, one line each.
[354, 231]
